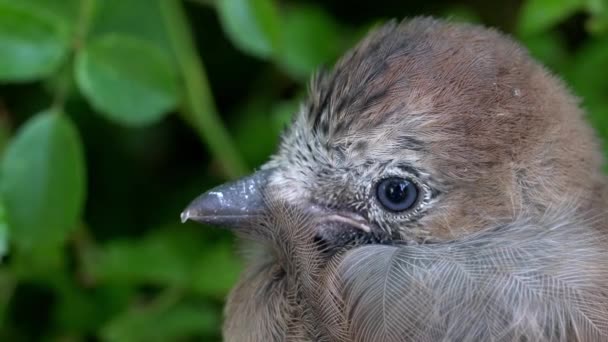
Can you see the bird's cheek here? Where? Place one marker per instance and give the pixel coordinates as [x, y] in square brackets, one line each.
[450, 225]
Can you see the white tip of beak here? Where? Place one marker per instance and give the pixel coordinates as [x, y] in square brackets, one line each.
[184, 216]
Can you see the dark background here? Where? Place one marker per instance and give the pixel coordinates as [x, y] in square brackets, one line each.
[115, 114]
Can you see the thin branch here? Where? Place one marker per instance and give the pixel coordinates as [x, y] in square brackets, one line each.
[199, 107]
[64, 74]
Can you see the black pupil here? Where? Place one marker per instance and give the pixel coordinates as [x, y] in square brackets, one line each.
[396, 190]
[397, 194]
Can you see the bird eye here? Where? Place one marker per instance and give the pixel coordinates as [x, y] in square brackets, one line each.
[397, 194]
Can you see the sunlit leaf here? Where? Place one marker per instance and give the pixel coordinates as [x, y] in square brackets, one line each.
[252, 25]
[32, 43]
[129, 80]
[311, 39]
[43, 183]
[539, 15]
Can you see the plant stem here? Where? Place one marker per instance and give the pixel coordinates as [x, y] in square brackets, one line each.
[84, 22]
[200, 110]
[8, 283]
[210, 3]
[64, 75]
[86, 253]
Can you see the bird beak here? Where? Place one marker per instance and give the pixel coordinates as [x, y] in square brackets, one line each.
[232, 204]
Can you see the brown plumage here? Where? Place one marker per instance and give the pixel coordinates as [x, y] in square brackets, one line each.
[438, 185]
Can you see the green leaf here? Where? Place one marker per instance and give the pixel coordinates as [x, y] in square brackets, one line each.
[170, 256]
[597, 23]
[7, 288]
[539, 15]
[116, 17]
[283, 113]
[43, 183]
[596, 6]
[130, 81]
[254, 118]
[3, 232]
[591, 85]
[33, 44]
[462, 13]
[151, 260]
[65, 10]
[252, 25]
[166, 256]
[80, 310]
[177, 322]
[217, 271]
[549, 48]
[304, 49]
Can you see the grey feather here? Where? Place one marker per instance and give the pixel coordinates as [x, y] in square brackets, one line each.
[535, 279]
[527, 281]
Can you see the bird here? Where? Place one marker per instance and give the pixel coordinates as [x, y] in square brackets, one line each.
[438, 184]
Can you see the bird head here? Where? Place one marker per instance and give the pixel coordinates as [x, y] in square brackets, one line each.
[446, 172]
[424, 132]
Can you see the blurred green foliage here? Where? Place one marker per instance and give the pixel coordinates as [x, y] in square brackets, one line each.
[115, 113]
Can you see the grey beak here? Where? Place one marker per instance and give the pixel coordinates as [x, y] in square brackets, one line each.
[231, 204]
